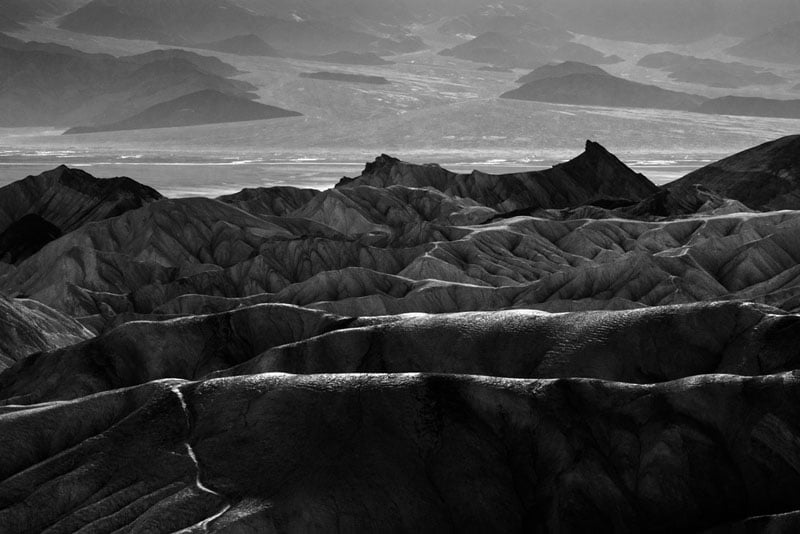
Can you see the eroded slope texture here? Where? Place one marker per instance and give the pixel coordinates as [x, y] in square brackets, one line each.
[567, 350]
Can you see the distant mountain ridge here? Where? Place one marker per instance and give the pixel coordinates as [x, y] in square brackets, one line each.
[201, 107]
[709, 71]
[56, 85]
[188, 22]
[588, 85]
[591, 89]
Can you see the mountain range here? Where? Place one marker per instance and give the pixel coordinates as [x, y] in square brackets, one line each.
[55, 85]
[211, 21]
[587, 351]
[589, 85]
[709, 71]
[417, 348]
[379, 239]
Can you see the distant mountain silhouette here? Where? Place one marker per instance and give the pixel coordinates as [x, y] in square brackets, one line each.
[765, 177]
[780, 45]
[589, 85]
[201, 107]
[345, 77]
[603, 90]
[526, 21]
[56, 85]
[163, 20]
[209, 64]
[500, 49]
[554, 70]
[709, 72]
[242, 45]
[187, 22]
[676, 21]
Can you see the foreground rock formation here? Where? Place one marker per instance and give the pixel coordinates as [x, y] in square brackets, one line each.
[567, 350]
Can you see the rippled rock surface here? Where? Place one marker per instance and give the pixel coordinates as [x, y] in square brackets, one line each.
[566, 350]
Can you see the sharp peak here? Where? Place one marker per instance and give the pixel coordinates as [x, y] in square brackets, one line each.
[595, 147]
[384, 160]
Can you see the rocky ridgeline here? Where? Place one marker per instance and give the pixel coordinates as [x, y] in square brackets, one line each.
[587, 352]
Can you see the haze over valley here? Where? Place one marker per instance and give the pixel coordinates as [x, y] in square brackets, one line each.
[434, 108]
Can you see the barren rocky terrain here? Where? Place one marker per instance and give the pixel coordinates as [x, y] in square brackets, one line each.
[490, 324]
[414, 350]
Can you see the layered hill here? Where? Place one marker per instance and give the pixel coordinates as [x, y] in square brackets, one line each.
[201, 107]
[765, 177]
